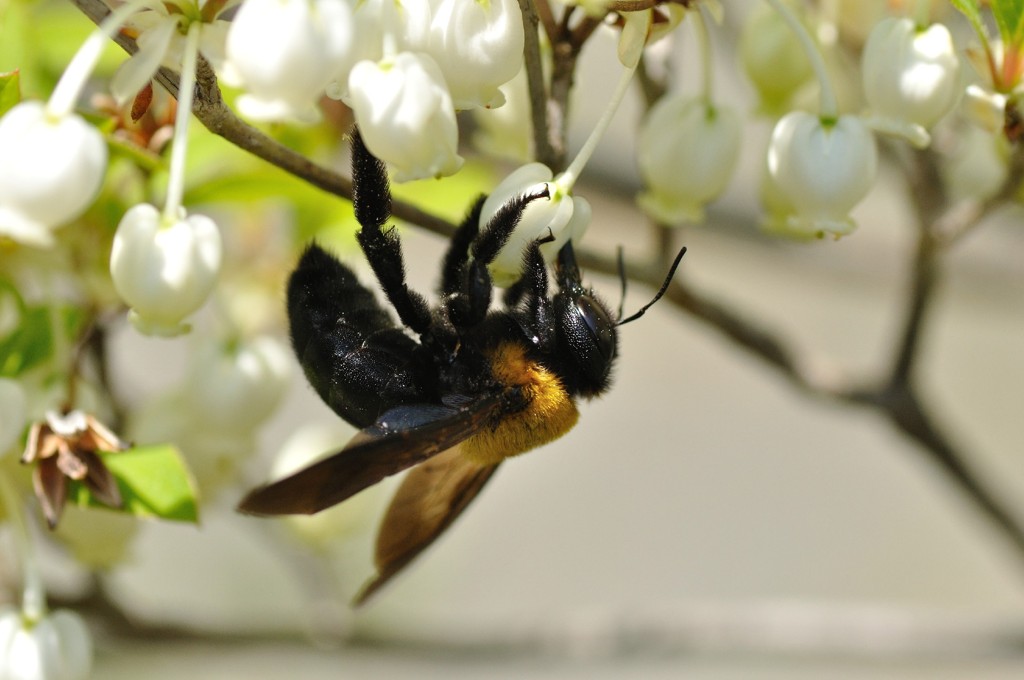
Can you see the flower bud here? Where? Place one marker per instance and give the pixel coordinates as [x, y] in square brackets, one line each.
[308, 37]
[823, 169]
[237, 387]
[478, 47]
[911, 78]
[50, 171]
[164, 270]
[56, 647]
[566, 216]
[405, 115]
[687, 152]
[772, 58]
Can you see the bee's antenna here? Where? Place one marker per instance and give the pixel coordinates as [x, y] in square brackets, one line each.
[622, 278]
[661, 291]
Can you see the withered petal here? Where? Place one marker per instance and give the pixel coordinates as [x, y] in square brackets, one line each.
[72, 463]
[49, 445]
[100, 482]
[51, 487]
[103, 438]
[35, 433]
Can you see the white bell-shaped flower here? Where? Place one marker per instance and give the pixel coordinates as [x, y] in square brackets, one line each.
[478, 46]
[565, 215]
[405, 115]
[13, 413]
[285, 52]
[367, 45]
[506, 132]
[50, 171]
[56, 647]
[687, 152]
[911, 78]
[823, 169]
[164, 269]
[238, 386]
[772, 58]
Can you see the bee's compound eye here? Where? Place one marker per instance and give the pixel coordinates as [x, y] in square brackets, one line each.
[599, 325]
[587, 337]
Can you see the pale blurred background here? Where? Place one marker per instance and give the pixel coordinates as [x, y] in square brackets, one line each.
[704, 520]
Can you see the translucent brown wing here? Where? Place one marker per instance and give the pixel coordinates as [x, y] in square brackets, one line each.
[429, 499]
[401, 438]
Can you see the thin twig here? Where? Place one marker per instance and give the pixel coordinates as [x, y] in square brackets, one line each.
[547, 19]
[543, 150]
[930, 199]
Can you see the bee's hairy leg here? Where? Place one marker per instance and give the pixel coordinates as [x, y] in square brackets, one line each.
[372, 202]
[534, 306]
[466, 284]
[499, 228]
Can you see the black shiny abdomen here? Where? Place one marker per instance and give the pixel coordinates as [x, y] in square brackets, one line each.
[353, 355]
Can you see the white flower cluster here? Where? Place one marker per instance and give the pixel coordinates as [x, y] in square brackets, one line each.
[404, 66]
[821, 166]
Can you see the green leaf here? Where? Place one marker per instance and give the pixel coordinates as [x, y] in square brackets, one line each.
[154, 482]
[1009, 15]
[10, 91]
[31, 342]
[29, 345]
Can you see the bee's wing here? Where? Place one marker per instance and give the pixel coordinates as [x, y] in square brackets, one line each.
[401, 438]
[429, 499]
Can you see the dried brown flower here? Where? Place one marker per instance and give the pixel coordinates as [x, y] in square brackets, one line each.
[65, 447]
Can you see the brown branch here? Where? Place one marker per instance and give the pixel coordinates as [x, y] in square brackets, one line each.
[930, 199]
[547, 19]
[543, 148]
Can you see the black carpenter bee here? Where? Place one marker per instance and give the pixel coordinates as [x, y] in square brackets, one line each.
[451, 392]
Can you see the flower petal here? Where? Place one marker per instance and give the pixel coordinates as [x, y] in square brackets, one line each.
[71, 464]
[133, 75]
[51, 487]
[100, 482]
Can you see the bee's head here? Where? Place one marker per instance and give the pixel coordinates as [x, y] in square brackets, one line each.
[587, 341]
[587, 336]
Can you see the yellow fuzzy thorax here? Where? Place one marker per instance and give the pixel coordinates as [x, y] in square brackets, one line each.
[550, 411]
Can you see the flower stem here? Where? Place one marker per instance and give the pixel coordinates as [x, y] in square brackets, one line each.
[707, 71]
[72, 81]
[567, 179]
[829, 108]
[33, 600]
[922, 13]
[186, 90]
